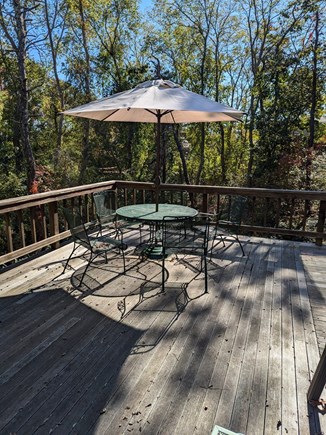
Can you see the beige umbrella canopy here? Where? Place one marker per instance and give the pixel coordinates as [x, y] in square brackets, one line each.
[156, 101]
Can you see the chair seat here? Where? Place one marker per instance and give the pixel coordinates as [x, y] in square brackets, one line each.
[120, 224]
[227, 222]
[105, 242]
[94, 245]
[186, 237]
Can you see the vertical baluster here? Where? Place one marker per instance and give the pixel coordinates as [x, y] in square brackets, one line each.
[124, 194]
[321, 221]
[54, 222]
[44, 226]
[21, 228]
[87, 215]
[64, 203]
[205, 203]
[218, 204]
[80, 205]
[182, 201]
[305, 213]
[266, 208]
[278, 212]
[253, 211]
[291, 213]
[10, 245]
[33, 224]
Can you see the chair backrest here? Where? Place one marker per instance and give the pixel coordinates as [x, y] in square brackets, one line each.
[232, 210]
[172, 231]
[185, 233]
[77, 227]
[105, 206]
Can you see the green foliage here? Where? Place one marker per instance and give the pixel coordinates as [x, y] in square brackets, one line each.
[11, 185]
[258, 60]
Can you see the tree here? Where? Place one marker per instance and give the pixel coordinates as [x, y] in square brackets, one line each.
[14, 18]
[316, 79]
[55, 15]
[269, 25]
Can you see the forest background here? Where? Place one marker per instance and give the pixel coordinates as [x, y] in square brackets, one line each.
[265, 58]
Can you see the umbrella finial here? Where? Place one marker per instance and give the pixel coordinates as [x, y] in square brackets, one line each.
[157, 65]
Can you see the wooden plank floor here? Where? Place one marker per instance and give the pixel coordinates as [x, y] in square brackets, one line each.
[241, 356]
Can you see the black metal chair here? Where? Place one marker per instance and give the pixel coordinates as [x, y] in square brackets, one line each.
[189, 236]
[227, 222]
[94, 245]
[105, 208]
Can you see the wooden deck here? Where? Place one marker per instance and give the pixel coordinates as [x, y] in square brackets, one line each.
[241, 356]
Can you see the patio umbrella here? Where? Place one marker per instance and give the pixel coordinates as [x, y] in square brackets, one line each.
[160, 102]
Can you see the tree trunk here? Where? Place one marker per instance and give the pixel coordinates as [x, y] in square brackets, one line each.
[252, 114]
[181, 153]
[86, 123]
[312, 116]
[58, 119]
[20, 49]
[223, 165]
[163, 153]
[202, 152]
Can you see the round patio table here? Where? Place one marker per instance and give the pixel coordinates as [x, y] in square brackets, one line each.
[147, 213]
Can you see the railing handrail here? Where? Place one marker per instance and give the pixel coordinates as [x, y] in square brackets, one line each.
[224, 190]
[54, 232]
[20, 202]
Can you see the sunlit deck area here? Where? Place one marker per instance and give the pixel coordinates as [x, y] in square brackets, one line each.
[241, 356]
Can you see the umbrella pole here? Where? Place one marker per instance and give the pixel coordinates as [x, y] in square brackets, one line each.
[158, 159]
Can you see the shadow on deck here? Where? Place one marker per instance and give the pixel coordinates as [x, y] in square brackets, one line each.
[241, 356]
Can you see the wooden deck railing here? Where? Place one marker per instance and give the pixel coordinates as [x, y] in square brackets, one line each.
[33, 222]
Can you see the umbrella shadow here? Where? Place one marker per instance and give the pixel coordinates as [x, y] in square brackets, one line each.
[171, 303]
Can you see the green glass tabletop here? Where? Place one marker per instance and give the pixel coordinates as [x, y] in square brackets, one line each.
[147, 212]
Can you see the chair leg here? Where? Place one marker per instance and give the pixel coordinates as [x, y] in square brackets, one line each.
[123, 260]
[69, 258]
[212, 247]
[163, 267]
[205, 269]
[86, 268]
[236, 238]
[243, 252]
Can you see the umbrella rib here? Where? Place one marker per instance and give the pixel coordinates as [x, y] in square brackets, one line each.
[233, 117]
[173, 117]
[161, 113]
[106, 117]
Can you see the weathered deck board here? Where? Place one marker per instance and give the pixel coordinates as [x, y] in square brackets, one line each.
[260, 361]
[241, 356]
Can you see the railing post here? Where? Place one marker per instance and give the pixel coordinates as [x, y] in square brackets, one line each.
[33, 224]
[10, 245]
[54, 222]
[318, 381]
[205, 203]
[87, 214]
[45, 231]
[321, 221]
[125, 198]
[21, 228]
